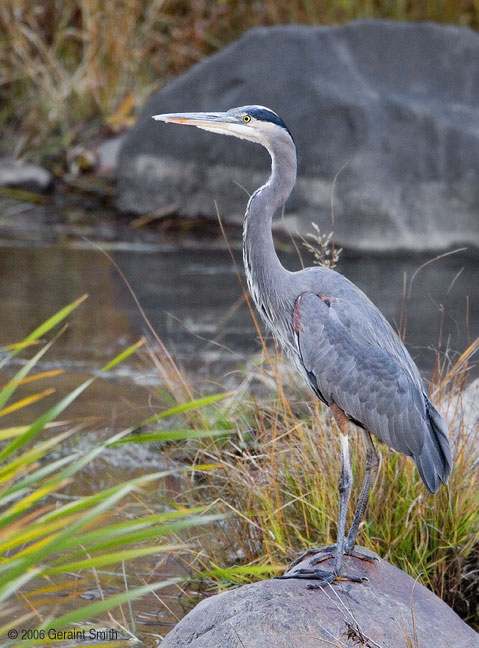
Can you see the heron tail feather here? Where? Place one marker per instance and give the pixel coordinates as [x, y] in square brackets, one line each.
[435, 461]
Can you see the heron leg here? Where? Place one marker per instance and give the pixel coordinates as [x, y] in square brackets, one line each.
[345, 483]
[372, 464]
[337, 550]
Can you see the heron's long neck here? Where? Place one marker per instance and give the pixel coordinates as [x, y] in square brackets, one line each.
[265, 274]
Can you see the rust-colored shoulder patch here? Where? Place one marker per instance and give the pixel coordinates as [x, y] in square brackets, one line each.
[297, 323]
[326, 300]
[297, 326]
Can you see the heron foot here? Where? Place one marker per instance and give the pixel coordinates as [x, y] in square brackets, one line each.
[330, 552]
[310, 552]
[322, 575]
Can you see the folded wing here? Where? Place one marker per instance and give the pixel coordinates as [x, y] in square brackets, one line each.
[370, 383]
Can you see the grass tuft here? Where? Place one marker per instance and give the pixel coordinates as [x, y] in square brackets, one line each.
[52, 541]
[277, 481]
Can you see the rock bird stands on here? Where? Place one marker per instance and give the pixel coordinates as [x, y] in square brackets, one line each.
[340, 342]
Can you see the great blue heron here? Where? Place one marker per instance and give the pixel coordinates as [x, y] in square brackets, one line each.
[340, 342]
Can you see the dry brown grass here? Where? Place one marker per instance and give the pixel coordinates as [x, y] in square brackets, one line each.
[69, 62]
[278, 481]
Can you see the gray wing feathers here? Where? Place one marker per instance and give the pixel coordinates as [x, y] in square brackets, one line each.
[435, 462]
[361, 317]
[370, 385]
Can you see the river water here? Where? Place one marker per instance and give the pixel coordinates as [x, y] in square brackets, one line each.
[192, 296]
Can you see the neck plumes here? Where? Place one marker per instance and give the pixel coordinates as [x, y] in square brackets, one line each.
[265, 274]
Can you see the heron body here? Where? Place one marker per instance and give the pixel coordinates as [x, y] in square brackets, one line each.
[340, 342]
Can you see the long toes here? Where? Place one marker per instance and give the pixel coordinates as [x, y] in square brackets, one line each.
[307, 574]
[305, 554]
[353, 579]
[362, 556]
[329, 579]
[310, 552]
[330, 552]
[323, 556]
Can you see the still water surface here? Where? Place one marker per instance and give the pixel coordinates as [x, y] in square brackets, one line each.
[193, 299]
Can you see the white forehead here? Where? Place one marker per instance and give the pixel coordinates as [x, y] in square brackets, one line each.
[254, 108]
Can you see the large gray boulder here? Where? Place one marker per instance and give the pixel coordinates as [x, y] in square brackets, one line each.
[392, 610]
[462, 416]
[390, 109]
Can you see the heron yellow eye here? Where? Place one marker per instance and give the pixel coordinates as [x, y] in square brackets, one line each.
[246, 118]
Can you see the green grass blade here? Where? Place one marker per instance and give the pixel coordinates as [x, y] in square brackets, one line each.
[92, 610]
[15, 622]
[90, 500]
[236, 574]
[44, 328]
[41, 528]
[87, 612]
[14, 585]
[89, 456]
[102, 501]
[185, 407]
[34, 478]
[28, 533]
[172, 435]
[109, 538]
[23, 569]
[30, 456]
[10, 389]
[54, 320]
[110, 559]
[121, 356]
[59, 407]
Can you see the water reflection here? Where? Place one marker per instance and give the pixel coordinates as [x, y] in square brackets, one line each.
[193, 299]
[195, 296]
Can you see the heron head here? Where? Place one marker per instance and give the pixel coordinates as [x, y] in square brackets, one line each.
[253, 123]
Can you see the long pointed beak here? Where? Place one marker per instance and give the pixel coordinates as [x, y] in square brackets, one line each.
[224, 123]
[201, 120]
